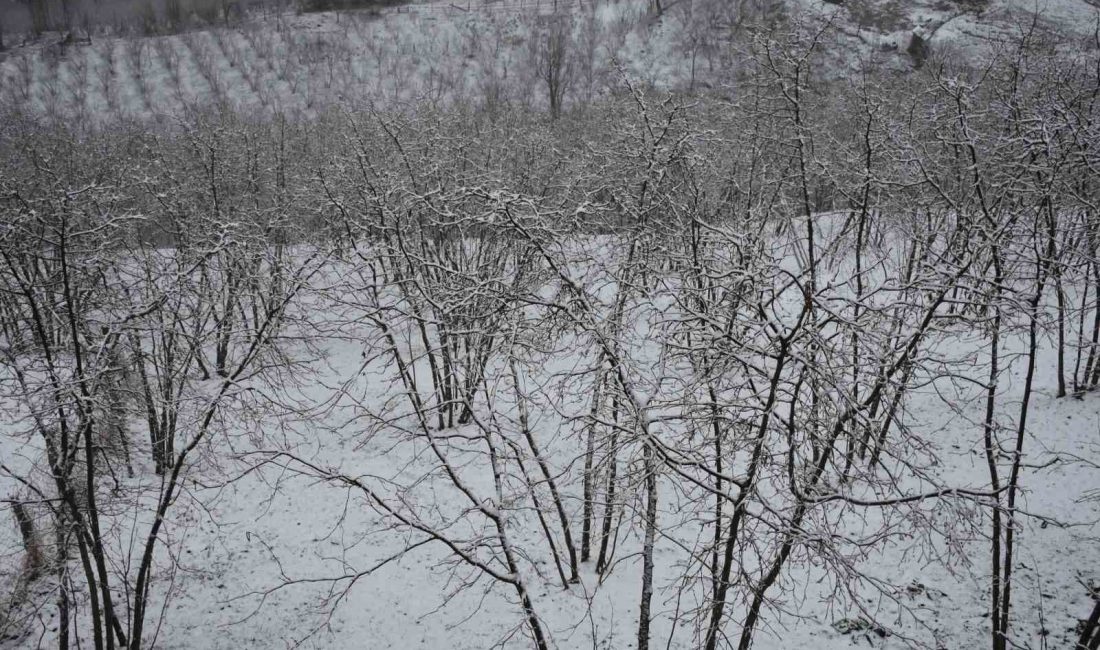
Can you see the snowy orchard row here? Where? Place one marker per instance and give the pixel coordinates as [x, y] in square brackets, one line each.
[299, 66]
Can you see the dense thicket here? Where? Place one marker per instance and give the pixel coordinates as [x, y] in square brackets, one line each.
[744, 291]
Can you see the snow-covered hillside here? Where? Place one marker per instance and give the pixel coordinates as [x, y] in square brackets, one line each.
[482, 53]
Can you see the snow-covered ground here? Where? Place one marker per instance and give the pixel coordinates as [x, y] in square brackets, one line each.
[317, 530]
[264, 556]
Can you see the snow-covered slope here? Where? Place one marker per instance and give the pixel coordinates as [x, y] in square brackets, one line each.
[480, 53]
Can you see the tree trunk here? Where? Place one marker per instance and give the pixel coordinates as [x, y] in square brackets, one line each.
[30, 539]
[647, 548]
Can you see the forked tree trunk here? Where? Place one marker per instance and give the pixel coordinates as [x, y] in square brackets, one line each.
[589, 462]
[604, 559]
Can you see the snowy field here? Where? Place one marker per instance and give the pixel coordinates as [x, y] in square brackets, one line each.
[255, 532]
[266, 551]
